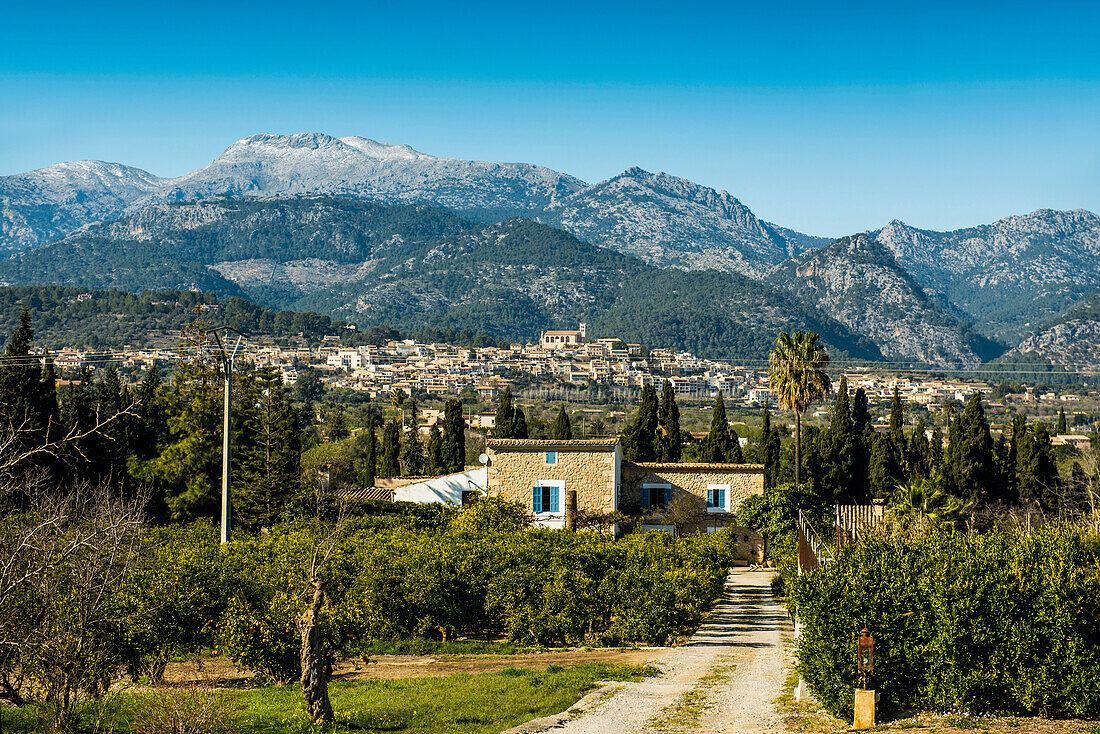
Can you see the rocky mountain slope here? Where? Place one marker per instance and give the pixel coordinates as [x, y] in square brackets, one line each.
[673, 222]
[1072, 339]
[857, 281]
[662, 219]
[43, 205]
[1009, 276]
[415, 266]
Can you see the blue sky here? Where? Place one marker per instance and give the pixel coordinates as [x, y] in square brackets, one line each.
[828, 118]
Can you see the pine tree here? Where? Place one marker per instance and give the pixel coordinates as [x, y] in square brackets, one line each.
[562, 430]
[391, 448]
[412, 454]
[716, 445]
[454, 438]
[337, 423]
[190, 461]
[1061, 428]
[267, 454]
[638, 438]
[669, 447]
[27, 392]
[433, 462]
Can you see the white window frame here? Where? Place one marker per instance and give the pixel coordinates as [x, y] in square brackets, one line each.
[726, 489]
[560, 486]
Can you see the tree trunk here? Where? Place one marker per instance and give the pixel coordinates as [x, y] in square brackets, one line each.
[315, 668]
[797, 447]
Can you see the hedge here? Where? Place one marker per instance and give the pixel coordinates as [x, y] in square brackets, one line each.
[987, 623]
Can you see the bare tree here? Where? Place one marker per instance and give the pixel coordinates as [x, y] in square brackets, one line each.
[63, 564]
[316, 656]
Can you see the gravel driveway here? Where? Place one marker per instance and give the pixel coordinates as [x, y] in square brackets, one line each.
[723, 680]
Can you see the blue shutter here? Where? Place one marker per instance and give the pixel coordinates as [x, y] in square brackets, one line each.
[668, 497]
[536, 499]
[721, 498]
[645, 498]
[710, 498]
[554, 498]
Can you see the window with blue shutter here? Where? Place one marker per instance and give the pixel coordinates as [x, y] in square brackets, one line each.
[716, 497]
[546, 497]
[656, 496]
[551, 457]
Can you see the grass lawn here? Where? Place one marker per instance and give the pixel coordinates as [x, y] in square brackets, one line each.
[462, 703]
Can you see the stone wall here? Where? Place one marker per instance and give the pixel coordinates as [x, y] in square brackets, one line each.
[589, 467]
[689, 495]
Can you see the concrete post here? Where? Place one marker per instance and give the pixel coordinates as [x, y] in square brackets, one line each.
[570, 509]
[227, 504]
[864, 710]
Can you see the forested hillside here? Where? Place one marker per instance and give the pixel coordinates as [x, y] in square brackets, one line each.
[97, 319]
[412, 267]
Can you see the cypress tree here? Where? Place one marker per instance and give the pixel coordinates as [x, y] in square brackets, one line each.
[668, 419]
[838, 446]
[506, 415]
[1061, 428]
[716, 445]
[735, 455]
[454, 437]
[519, 424]
[433, 462]
[897, 420]
[1036, 469]
[863, 434]
[391, 448]
[968, 464]
[562, 430]
[1019, 435]
[935, 450]
[638, 437]
[919, 459]
[367, 470]
[884, 469]
[412, 454]
[772, 438]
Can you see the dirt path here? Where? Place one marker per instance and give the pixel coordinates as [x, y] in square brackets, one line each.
[724, 680]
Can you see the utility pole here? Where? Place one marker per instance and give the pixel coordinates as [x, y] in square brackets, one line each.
[227, 421]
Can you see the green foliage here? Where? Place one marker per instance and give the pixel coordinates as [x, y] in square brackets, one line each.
[639, 439]
[454, 437]
[669, 446]
[175, 600]
[990, 622]
[969, 471]
[562, 430]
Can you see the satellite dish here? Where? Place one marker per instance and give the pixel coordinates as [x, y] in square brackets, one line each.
[484, 458]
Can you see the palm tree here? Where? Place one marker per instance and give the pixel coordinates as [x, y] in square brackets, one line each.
[397, 399]
[797, 375]
[920, 505]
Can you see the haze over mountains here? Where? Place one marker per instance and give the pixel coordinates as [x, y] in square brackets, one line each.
[933, 297]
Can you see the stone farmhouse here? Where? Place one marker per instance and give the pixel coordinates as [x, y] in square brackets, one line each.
[549, 476]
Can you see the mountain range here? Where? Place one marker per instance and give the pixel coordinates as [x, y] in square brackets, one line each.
[946, 298]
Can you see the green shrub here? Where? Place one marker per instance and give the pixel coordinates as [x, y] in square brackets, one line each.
[991, 622]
